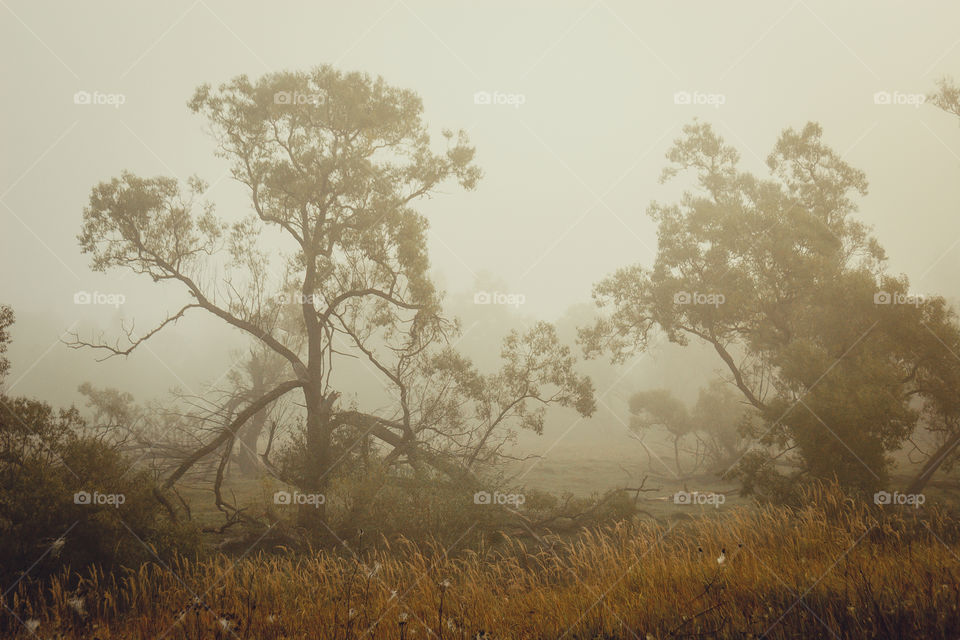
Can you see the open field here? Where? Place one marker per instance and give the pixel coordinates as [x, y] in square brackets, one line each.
[835, 568]
[566, 471]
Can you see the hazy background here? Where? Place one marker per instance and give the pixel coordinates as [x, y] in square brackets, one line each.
[568, 173]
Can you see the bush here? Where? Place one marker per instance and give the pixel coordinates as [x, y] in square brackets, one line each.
[68, 498]
[363, 495]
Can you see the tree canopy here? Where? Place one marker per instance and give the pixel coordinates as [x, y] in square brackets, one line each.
[789, 288]
[335, 163]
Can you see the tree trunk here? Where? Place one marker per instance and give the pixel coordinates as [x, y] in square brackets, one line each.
[676, 455]
[249, 460]
[934, 463]
[318, 458]
[250, 435]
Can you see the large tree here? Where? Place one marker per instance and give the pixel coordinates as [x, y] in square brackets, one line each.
[6, 321]
[335, 163]
[944, 425]
[710, 431]
[947, 96]
[789, 289]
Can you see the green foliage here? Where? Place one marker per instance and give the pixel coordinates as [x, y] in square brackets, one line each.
[947, 96]
[659, 408]
[718, 421]
[334, 159]
[788, 288]
[46, 461]
[726, 420]
[334, 162]
[6, 321]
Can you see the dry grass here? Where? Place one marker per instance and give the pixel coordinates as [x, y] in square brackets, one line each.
[861, 572]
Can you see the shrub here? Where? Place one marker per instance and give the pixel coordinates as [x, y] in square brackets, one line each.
[68, 498]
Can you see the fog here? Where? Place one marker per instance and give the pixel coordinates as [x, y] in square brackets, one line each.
[569, 167]
[568, 173]
[717, 328]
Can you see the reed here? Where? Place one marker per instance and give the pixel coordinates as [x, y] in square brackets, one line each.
[836, 563]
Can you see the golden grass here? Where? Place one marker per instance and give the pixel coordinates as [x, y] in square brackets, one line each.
[861, 571]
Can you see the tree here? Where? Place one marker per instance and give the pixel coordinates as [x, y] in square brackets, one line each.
[6, 321]
[723, 419]
[47, 460]
[716, 423]
[54, 470]
[262, 368]
[659, 408]
[334, 162]
[947, 96]
[778, 277]
[943, 423]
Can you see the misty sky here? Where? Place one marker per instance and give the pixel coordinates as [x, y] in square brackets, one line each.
[571, 157]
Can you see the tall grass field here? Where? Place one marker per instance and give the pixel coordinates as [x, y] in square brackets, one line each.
[834, 568]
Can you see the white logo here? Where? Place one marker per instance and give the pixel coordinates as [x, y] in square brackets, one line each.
[295, 97]
[912, 499]
[512, 499]
[685, 297]
[298, 298]
[285, 497]
[715, 100]
[110, 99]
[885, 297]
[898, 98]
[514, 100]
[113, 499]
[696, 497]
[512, 299]
[112, 299]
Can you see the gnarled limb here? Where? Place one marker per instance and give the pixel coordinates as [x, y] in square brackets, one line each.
[934, 463]
[115, 350]
[380, 429]
[230, 431]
